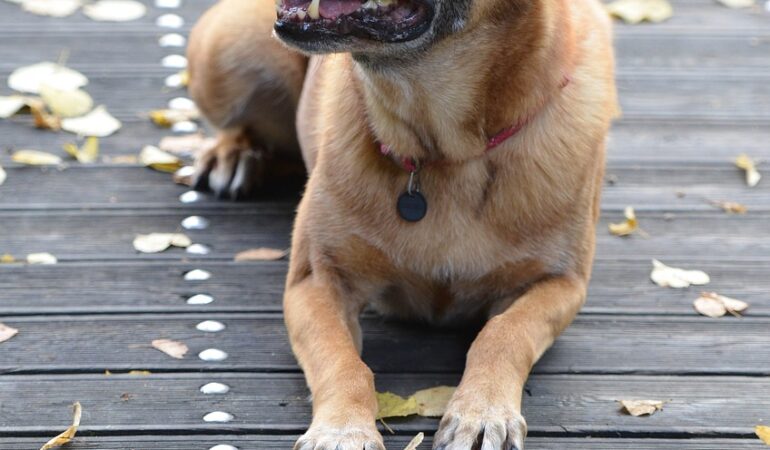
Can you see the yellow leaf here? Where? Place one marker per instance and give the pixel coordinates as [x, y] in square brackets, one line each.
[261, 254]
[392, 405]
[7, 332]
[641, 407]
[763, 433]
[35, 158]
[66, 103]
[745, 163]
[637, 11]
[665, 276]
[87, 154]
[433, 402]
[166, 118]
[139, 373]
[159, 160]
[7, 258]
[69, 433]
[98, 122]
[628, 227]
[174, 349]
[31, 78]
[158, 242]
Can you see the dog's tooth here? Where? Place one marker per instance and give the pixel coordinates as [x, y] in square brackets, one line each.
[370, 4]
[301, 14]
[312, 10]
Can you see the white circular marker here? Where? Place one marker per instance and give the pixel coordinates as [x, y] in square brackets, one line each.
[174, 81]
[223, 447]
[191, 197]
[172, 40]
[197, 275]
[219, 417]
[174, 62]
[184, 127]
[198, 249]
[215, 389]
[194, 222]
[169, 21]
[210, 326]
[212, 355]
[168, 4]
[200, 299]
[182, 104]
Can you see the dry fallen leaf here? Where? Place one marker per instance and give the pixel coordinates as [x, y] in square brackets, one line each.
[139, 373]
[31, 78]
[714, 305]
[53, 8]
[737, 3]
[415, 442]
[157, 159]
[115, 10]
[158, 242]
[69, 433]
[673, 277]
[628, 227]
[745, 163]
[35, 158]
[121, 159]
[174, 349]
[763, 433]
[86, 154]
[7, 258]
[641, 407]
[637, 11]
[41, 258]
[427, 403]
[66, 103]
[261, 254]
[730, 207]
[98, 123]
[166, 118]
[10, 105]
[7, 332]
[42, 118]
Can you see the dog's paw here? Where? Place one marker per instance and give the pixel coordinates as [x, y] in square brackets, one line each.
[480, 426]
[231, 168]
[330, 438]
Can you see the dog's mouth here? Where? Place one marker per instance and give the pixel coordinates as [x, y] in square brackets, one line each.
[389, 21]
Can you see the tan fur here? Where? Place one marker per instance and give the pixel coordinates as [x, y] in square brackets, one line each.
[509, 235]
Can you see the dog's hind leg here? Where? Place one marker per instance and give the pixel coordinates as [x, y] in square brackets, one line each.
[247, 85]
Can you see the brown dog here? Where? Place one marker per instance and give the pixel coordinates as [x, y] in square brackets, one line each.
[492, 115]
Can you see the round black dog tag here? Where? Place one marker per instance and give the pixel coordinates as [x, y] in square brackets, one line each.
[412, 207]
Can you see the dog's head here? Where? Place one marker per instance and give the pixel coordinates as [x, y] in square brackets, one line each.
[369, 28]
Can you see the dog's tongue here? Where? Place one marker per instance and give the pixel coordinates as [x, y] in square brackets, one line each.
[329, 9]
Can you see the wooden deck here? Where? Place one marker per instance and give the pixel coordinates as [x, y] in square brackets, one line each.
[695, 92]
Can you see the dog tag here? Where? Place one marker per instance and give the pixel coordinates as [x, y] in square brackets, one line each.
[412, 207]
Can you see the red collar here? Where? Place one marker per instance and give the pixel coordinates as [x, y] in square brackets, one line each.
[412, 165]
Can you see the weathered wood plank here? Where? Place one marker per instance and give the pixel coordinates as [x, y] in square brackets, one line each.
[103, 235]
[582, 405]
[617, 287]
[162, 442]
[674, 187]
[593, 344]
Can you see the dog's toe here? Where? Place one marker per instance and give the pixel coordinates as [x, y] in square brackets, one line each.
[494, 431]
[328, 438]
[229, 170]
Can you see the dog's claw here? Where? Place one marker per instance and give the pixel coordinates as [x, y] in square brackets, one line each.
[464, 428]
[328, 438]
[229, 170]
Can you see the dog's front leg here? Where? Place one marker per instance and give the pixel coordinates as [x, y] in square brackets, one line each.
[326, 338]
[485, 411]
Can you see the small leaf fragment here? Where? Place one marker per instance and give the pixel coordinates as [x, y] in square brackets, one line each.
[415, 442]
[52, 8]
[637, 11]
[41, 258]
[66, 103]
[763, 433]
[10, 105]
[392, 405]
[641, 407]
[730, 207]
[738, 3]
[174, 349]
[665, 276]
[261, 254]
[66, 436]
[628, 227]
[157, 159]
[98, 123]
[7, 332]
[86, 154]
[433, 402]
[7, 258]
[166, 118]
[139, 373]
[35, 158]
[158, 242]
[115, 10]
[748, 165]
[714, 305]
